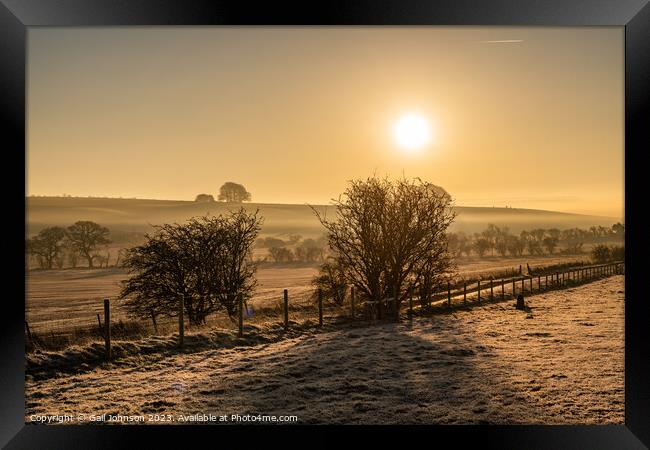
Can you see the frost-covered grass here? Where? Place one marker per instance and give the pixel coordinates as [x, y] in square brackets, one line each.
[561, 362]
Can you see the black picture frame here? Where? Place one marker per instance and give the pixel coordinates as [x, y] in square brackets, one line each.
[17, 15]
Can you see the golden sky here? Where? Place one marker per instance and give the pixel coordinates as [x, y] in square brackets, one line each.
[536, 121]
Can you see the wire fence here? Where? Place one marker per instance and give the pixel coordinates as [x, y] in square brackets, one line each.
[90, 324]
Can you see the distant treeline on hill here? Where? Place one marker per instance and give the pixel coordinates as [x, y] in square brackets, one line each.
[88, 243]
[499, 241]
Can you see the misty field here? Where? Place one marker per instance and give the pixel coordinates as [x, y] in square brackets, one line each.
[137, 215]
[560, 362]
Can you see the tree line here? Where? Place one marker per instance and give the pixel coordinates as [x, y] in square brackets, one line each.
[52, 245]
[499, 241]
[296, 249]
[229, 192]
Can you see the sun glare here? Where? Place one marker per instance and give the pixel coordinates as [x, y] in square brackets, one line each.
[412, 132]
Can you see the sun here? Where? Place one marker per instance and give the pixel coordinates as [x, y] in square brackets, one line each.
[412, 132]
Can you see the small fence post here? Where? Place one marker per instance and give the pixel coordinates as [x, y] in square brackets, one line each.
[491, 289]
[539, 283]
[448, 293]
[514, 287]
[523, 286]
[240, 300]
[479, 290]
[464, 291]
[29, 334]
[352, 302]
[531, 284]
[181, 320]
[153, 319]
[503, 289]
[286, 309]
[107, 330]
[320, 307]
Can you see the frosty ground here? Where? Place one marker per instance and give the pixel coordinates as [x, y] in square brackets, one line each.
[561, 362]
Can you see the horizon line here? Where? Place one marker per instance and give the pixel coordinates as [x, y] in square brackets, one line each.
[309, 204]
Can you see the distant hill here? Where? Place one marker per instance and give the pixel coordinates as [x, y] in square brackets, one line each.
[138, 215]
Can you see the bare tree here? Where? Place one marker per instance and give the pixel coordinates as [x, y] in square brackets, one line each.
[515, 246]
[385, 232]
[550, 243]
[309, 251]
[205, 262]
[501, 244]
[85, 236]
[618, 229]
[47, 246]
[481, 246]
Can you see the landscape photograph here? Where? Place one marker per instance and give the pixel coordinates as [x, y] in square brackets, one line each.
[325, 226]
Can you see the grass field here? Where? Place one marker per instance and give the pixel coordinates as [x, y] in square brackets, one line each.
[61, 299]
[560, 362]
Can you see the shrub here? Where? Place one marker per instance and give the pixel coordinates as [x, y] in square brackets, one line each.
[332, 282]
[601, 253]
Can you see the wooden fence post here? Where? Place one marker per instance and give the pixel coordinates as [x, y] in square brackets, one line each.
[491, 289]
[153, 320]
[514, 287]
[523, 286]
[503, 289]
[448, 293]
[352, 302]
[181, 320]
[29, 334]
[286, 309]
[539, 283]
[320, 307]
[531, 284]
[464, 291]
[479, 290]
[107, 329]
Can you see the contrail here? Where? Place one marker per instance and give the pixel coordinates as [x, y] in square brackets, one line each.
[503, 41]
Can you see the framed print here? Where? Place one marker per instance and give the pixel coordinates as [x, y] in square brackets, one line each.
[420, 216]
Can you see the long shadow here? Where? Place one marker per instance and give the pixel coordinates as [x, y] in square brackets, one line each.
[421, 372]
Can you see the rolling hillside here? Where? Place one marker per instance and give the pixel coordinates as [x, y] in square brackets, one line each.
[138, 215]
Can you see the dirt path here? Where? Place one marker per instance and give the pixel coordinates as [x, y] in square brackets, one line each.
[562, 362]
